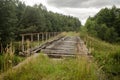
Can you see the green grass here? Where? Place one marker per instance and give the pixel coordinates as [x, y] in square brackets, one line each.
[43, 68]
[106, 54]
[70, 33]
[7, 61]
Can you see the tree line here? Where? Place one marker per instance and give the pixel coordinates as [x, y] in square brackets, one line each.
[17, 17]
[105, 24]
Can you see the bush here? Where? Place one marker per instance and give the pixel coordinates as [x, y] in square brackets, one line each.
[106, 54]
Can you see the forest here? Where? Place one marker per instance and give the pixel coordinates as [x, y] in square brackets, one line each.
[105, 24]
[17, 17]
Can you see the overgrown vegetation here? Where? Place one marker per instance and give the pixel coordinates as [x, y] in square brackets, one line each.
[106, 54]
[43, 68]
[8, 59]
[105, 24]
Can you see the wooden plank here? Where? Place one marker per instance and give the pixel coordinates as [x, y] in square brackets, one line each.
[59, 55]
[31, 37]
[58, 51]
[38, 37]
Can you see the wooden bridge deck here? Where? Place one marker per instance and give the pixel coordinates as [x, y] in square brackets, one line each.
[61, 46]
[67, 46]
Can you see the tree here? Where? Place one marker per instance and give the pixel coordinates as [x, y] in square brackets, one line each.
[18, 18]
[105, 24]
[7, 21]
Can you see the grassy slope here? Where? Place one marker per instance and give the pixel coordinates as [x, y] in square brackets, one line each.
[43, 68]
[107, 55]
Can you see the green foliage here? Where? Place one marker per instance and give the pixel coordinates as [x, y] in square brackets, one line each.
[106, 54]
[17, 17]
[7, 61]
[8, 20]
[105, 24]
[43, 68]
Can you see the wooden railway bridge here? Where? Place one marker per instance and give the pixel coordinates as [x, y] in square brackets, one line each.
[58, 47]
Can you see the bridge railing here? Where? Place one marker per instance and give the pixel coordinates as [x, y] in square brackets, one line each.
[41, 36]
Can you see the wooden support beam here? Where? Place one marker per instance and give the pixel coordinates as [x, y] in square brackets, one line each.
[49, 35]
[38, 37]
[1, 49]
[42, 36]
[31, 37]
[22, 42]
[54, 34]
[46, 36]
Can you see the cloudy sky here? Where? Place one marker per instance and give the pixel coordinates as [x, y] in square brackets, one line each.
[78, 8]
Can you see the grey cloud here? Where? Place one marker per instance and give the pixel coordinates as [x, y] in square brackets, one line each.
[81, 13]
[83, 3]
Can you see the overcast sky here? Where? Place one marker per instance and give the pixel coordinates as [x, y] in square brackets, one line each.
[78, 8]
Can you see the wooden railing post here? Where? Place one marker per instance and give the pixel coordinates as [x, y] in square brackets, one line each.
[49, 34]
[54, 34]
[31, 37]
[22, 43]
[46, 36]
[38, 36]
[42, 36]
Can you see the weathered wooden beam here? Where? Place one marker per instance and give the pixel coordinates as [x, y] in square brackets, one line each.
[31, 37]
[69, 52]
[46, 36]
[42, 36]
[22, 42]
[38, 37]
[49, 35]
[27, 34]
[60, 55]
